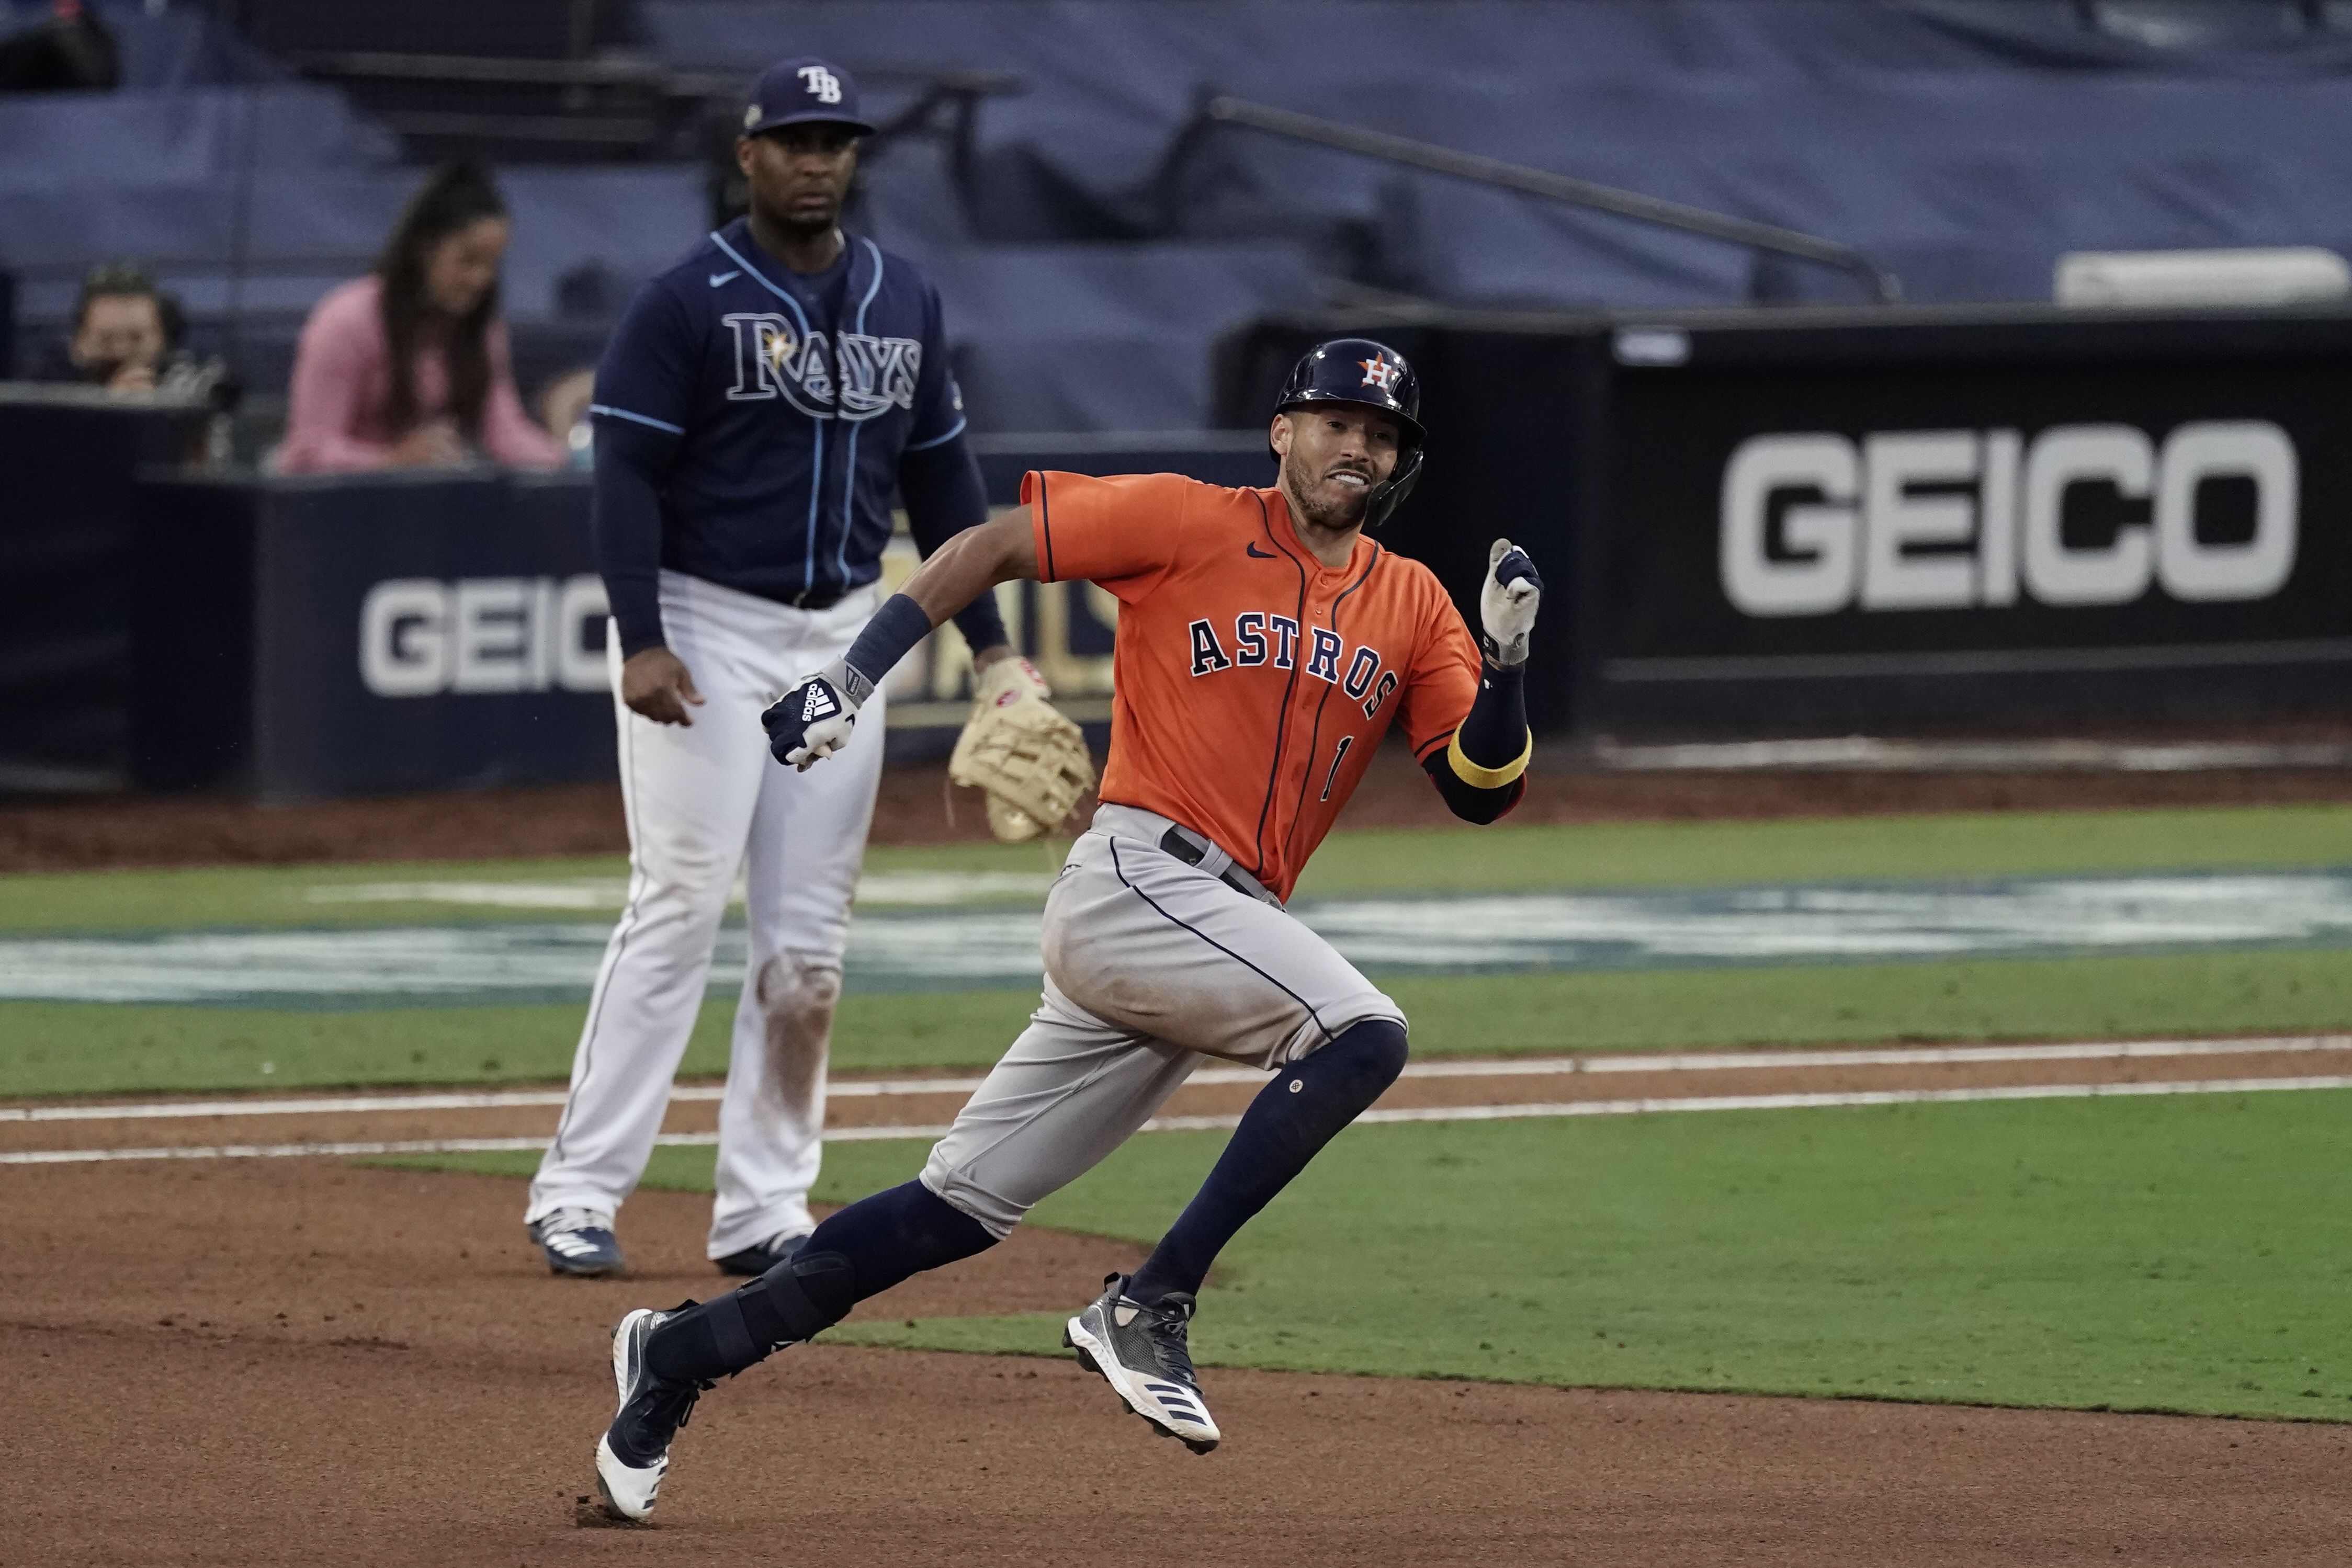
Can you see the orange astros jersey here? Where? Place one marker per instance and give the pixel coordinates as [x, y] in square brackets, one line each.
[1252, 682]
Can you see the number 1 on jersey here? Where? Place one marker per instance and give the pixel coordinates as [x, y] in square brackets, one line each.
[1336, 758]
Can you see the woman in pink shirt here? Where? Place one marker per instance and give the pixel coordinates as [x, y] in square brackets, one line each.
[408, 367]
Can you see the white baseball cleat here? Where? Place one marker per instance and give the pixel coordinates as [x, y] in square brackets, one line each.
[1141, 1350]
[633, 1454]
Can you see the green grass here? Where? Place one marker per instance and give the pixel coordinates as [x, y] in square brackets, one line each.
[1446, 860]
[79, 1048]
[266, 896]
[87, 1048]
[2188, 1254]
[1862, 849]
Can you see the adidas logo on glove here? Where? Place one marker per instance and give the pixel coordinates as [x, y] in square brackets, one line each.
[820, 704]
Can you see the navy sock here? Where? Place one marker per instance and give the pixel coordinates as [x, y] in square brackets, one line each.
[897, 1233]
[860, 1251]
[1292, 1117]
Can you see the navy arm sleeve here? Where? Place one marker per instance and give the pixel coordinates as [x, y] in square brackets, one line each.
[940, 484]
[644, 394]
[937, 478]
[1492, 741]
[625, 517]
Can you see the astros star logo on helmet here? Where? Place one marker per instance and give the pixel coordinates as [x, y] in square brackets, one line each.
[1380, 371]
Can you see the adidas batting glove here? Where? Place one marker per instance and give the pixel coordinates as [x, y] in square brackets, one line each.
[814, 719]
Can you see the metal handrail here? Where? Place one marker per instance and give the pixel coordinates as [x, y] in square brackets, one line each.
[1882, 285]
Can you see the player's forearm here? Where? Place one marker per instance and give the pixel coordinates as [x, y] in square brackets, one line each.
[966, 566]
[1481, 772]
[973, 563]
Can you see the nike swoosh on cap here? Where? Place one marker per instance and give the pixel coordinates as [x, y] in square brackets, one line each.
[1263, 554]
[718, 277]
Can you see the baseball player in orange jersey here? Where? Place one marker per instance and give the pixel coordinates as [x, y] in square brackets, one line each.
[1264, 646]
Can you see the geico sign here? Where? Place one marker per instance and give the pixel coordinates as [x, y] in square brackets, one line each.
[419, 636]
[1854, 527]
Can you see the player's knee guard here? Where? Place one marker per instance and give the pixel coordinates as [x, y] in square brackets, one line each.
[800, 1299]
[797, 1300]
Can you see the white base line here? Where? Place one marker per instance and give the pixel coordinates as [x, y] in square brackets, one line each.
[1216, 1123]
[1523, 1067]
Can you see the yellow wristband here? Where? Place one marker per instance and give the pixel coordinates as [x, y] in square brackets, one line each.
[1479, 778]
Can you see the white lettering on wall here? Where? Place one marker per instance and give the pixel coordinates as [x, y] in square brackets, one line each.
[1814, 523]
[420, 636]
[1815, 573]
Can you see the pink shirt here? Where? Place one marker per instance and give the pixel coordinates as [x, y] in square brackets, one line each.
[342, 378]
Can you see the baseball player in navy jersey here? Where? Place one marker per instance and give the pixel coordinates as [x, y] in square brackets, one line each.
[757, 409]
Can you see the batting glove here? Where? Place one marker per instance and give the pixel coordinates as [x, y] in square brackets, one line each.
[812, 720]
[1506, 604]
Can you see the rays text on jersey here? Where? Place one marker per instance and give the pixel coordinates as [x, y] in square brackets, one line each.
[852, 376]
[1262, 637]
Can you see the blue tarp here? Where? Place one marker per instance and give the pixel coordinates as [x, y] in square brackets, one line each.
[1090, 251]
[161, 45]
[1964, 145]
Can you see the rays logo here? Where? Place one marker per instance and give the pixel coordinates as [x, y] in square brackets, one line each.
[853, 376]
[821, 84]
[1380, 371]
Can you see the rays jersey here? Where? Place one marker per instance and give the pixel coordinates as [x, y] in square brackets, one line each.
[790, 400]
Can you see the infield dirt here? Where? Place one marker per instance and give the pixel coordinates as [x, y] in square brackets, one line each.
[303, 1363]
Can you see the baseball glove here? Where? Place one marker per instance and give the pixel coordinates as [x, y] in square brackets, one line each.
[1030, 759]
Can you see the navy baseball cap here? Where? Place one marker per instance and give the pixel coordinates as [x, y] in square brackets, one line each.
[802, 91]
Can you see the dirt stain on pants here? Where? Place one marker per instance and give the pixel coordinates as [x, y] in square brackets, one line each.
[796, 996]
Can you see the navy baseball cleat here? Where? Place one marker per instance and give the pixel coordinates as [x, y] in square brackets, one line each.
[579, 1242]
[755, 1260]
[1141, 1352]
[633, 1454]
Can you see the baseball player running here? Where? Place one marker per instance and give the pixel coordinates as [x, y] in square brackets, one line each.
[757, 408]
[1264, 646]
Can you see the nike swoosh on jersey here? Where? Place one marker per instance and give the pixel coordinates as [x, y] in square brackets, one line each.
[1262, 554]
[718, 277]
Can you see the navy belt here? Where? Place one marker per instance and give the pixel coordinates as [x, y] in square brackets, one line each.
[1176, 843]
[817, 598]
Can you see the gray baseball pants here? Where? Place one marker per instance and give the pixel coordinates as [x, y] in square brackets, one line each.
[1151, 964]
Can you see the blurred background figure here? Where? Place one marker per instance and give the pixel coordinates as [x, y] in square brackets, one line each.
[125, 332]
[130, 338]
[69, 50]
[409, 367]
[563, 410]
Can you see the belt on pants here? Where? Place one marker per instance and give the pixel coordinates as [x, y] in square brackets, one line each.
[1191, 849]
[824, 597]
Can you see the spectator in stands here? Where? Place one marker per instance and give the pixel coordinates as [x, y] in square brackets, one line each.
[408, 367]
[124, 332]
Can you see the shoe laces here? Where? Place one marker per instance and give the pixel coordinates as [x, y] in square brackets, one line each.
[564, 1219]
[658, 1415]
[1164, 1324]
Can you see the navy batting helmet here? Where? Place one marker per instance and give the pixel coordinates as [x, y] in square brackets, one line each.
[1359, 370]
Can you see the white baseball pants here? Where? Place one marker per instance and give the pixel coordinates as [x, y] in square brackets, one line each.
[703, 803]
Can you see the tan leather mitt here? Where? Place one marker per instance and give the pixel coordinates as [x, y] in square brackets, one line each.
[1028, 756]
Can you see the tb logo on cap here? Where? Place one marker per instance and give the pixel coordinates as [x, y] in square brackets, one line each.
[821, 84]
